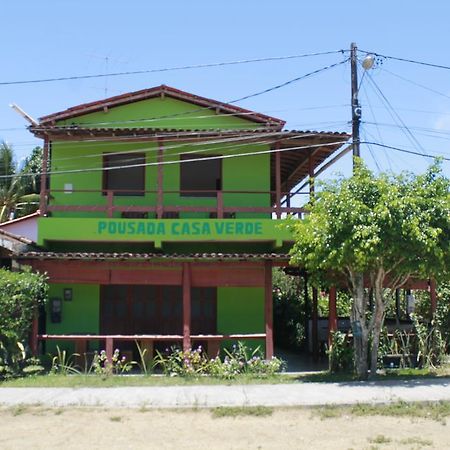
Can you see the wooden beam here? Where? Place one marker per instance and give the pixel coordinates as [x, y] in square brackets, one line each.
[268, 308]
[34, 335]
[43, 199]
[277, 179]
[160, 193]
[186, 306]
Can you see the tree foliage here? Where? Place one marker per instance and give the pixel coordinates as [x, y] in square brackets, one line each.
[377, 232]
[19, 185]
[21, 294]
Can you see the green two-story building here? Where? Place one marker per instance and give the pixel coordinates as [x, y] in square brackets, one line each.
[159, 219]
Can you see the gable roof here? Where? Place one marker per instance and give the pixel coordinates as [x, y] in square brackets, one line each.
[161, 91]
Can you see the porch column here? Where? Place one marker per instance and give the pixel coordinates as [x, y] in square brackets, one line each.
[268, 308]
[332, 313]
[314, 326]
[186, 306]
[433, 298]
[159, 195]
[311, 178]
[43, 193]
[34, 335]
[277, 180]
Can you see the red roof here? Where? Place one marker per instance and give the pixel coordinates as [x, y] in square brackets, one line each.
[158, 91]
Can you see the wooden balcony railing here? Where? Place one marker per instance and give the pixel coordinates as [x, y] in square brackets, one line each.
[164, 207]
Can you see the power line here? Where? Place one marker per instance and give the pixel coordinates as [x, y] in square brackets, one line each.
[168, 69]
[163, 163]
[404, 150]
[413, 61]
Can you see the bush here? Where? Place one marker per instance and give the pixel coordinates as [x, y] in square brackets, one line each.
[21, 294]
[340, 353]
[239, 360]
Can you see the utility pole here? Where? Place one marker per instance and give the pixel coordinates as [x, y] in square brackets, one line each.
[356, 108]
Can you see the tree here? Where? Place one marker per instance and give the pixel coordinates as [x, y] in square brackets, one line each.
[375, 232]
[18, 189]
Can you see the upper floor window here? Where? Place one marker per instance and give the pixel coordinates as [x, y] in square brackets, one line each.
[124, 180]
[202, 178]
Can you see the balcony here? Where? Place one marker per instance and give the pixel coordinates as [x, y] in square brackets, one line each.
[164, 217]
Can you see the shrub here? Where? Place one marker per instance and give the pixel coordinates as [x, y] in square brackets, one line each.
[21, 294]
[340, 353]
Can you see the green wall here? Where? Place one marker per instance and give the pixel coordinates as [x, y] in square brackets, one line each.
[79, 316]
[241, 310]
[241, 173]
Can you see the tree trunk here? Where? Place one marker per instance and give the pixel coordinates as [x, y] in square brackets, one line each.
[377, 324]
[359, 326]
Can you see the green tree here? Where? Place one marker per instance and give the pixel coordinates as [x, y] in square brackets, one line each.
[18, 189]
[375, 232]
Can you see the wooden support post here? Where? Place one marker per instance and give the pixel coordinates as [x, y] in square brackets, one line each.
[219, 204]
[277, 180]
[314, 325]
[160, 194]
[34, 335]
[43, 197]
[110, 203]
[186, 306]
[433, 297]
[332, 312]
[268, 309]
[109, 349]
[311, 178]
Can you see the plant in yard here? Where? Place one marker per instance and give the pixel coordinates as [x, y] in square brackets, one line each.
[182, 362]
[63, 363]
[118, 364]
[21, 295]
[340, 353]
[373, 233]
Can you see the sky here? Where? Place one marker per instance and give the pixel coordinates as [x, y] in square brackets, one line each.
[403, 105]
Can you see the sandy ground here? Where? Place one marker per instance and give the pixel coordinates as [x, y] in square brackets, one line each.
[296, 428]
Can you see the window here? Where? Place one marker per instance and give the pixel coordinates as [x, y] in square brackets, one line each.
[204, 175]
[120, 180]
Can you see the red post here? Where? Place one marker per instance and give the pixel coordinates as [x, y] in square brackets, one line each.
[186, 306]
[110, 202]
[277, 180]
[43, 193]
[160, 194]
[109, 348]
[332, 312]
[219, 205]
[34, 335]
[433, 297]
[311, 178]
[268, 308]
[314, 325]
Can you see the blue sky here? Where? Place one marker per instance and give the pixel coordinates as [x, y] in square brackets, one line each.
[63, 38]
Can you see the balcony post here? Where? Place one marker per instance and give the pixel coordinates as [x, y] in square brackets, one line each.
[315, 324]
[219, 205]
[268, 308]
[34, 335]
[186, 306]
[160, 195]
[311, 178]
[43, 194]
[110, 202]
[277, 180]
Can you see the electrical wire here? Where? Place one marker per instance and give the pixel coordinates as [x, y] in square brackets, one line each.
[404, 150]
[163, 163]
[168, 69]
[413, 61]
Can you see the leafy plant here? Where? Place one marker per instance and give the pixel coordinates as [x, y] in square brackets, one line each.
[117, 365]
[63, 363]
[340, 353]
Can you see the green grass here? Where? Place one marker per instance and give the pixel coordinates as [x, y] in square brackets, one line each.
[380, 439]
[81, 381]
[438, 411]
[257, 411]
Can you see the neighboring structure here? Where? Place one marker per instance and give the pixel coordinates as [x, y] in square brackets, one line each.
[159, 219]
